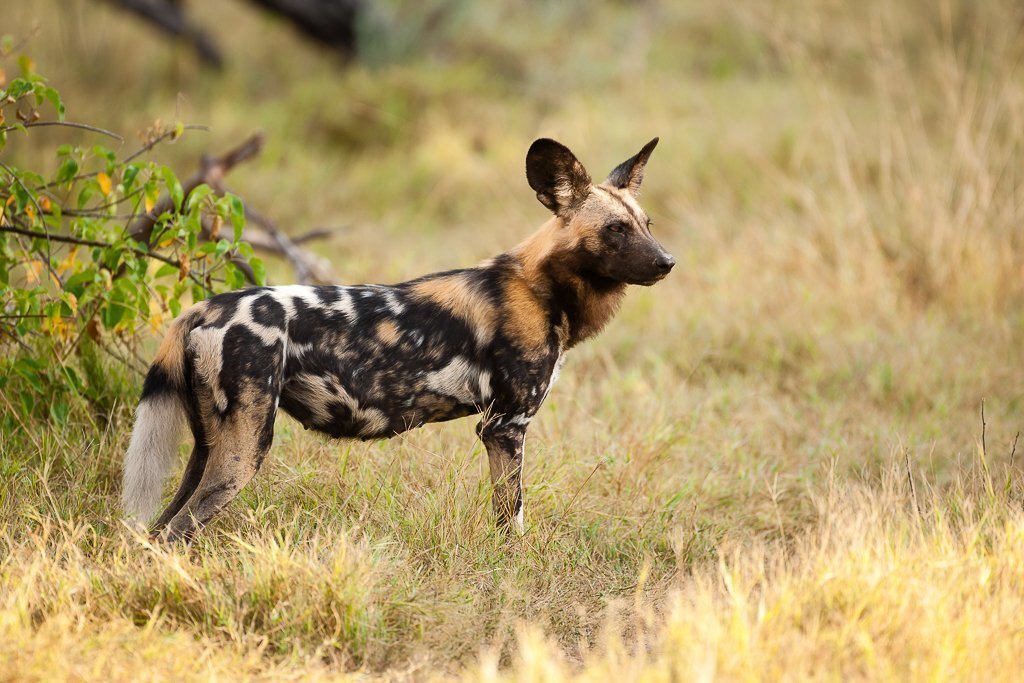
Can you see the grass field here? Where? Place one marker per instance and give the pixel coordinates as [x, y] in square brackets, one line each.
[769, 466]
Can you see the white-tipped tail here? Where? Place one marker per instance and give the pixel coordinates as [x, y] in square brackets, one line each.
[151, 454]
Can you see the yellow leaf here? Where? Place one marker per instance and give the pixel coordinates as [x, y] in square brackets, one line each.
[45, 204]
[33, 269]
[156, 315]
[68, 262]
[72, 301]
[150, 200]
[30, 211]
[104, 180]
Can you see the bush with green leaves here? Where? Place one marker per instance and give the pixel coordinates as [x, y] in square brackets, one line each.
[95, 255]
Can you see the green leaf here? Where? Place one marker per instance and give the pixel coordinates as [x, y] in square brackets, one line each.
[233, 276]
[165, 270]
[25, 64]
[237, 216]
[67, 171]
[173, 187]
[24, 369]
[259, 270]
[18, 88]
[53, 96]
[59, 412]
[131, 171]
[196, 197]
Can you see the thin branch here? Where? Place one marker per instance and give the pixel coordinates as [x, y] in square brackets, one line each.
[65, 124]
[68, 239]
[166, 135]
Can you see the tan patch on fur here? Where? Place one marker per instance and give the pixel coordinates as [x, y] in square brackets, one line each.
[171, 354]
[456, 295]
[551, 238]
[542, 255]
[525, 320]
[387, 332]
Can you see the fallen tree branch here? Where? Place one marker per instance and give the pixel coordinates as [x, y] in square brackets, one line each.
[309, 268]
[261, 232]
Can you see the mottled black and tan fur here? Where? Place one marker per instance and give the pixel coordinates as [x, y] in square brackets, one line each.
[373, 361]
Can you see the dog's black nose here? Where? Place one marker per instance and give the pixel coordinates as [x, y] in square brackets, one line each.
[665, 263]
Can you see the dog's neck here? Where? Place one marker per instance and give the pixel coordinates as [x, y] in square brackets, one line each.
[580, 301]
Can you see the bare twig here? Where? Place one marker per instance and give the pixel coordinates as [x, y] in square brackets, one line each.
[166, 135]
[65, 124]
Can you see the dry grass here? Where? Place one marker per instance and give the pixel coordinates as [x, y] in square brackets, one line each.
[718, 487]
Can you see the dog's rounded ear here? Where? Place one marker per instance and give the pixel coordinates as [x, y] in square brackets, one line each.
[556, 175]
[630, 173]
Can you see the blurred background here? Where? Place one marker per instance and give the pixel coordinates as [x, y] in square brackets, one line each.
[839, 181]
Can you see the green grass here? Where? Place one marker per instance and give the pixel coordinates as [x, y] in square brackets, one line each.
[718, 486]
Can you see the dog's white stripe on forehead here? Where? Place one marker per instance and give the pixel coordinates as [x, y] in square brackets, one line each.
[627, 200]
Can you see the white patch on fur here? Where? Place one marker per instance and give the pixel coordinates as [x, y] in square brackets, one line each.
[554, 374]
[460, 380]
[522, 420]
[485, 386]
[374, 421]
[344, 304]
[296, 350]
[519, 523]
[286, 294]
[267, 335]
[207, 343]
[394, 305]
[151, 453]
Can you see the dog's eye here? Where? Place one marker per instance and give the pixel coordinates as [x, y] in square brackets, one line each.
[616, 227]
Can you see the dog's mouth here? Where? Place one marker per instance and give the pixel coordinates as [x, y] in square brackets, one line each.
[650, 281]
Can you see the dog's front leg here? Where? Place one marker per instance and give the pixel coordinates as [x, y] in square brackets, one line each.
[504, 443]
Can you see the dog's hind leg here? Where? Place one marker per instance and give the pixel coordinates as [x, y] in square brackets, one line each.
[235, 448]
[230, 446]
[189, 482]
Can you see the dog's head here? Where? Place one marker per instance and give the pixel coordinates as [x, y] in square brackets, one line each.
[606, 232]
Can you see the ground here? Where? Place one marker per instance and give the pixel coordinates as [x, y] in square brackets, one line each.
[770, 465]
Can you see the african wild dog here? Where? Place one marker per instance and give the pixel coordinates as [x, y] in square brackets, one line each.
[373, 361]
